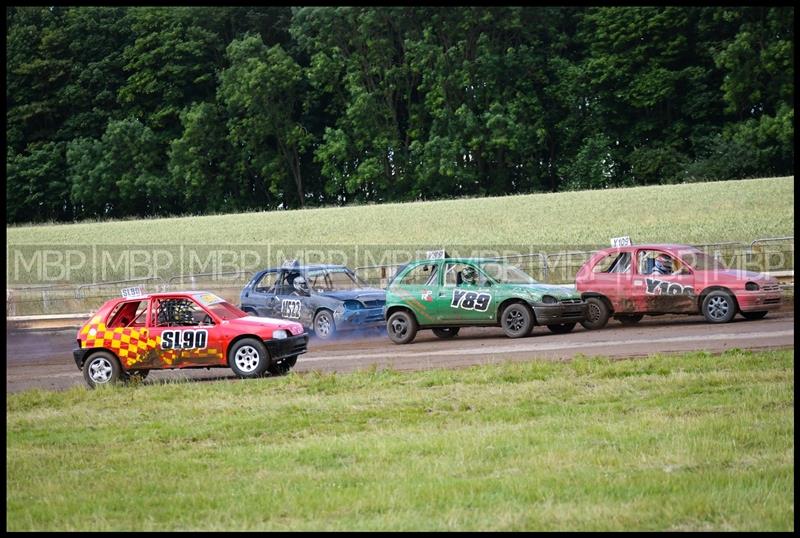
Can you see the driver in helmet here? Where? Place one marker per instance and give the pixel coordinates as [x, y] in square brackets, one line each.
[299, 284]
[663, 265]
[469, 276]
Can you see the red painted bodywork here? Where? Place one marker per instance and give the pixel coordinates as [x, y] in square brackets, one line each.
[635, 293]
[139, 346]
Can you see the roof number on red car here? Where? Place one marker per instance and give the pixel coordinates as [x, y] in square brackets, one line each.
[184, 339]
[132, 292]
[624, 241]
[290, 308]
[470, 300]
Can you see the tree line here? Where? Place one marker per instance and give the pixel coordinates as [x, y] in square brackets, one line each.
[143, 111]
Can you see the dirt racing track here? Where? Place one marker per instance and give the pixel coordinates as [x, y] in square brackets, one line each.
[43, 358]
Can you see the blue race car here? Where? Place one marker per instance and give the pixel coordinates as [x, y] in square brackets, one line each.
[324, 298]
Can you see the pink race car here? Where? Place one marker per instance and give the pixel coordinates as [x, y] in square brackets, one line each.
[631, 281]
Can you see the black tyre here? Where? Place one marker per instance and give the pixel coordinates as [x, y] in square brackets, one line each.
[324, 327]
[102, 368]
[719, 307]
[136, 376]
[248, 358]
[561, 328]
[754, 315]
[446, 332]
[401, 327]
[629, 319]
[517, 320]
[283, 366]
[596, 314]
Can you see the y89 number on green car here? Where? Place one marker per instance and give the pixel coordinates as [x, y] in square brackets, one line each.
[449, 293]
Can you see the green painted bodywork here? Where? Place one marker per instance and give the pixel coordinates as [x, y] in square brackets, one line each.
[435, 304]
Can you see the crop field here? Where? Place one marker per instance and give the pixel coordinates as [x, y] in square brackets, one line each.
[693, 213]
[680, 442]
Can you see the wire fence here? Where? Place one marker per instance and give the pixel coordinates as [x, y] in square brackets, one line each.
[771, 254]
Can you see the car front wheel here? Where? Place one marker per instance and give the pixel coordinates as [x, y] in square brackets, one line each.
[401, 327]
[754, 315]
[561, 328]
[248, 358]
[323, 325]
[596, 314]
[719, 307]
[282, 367]
[517, 320]
[102, 368]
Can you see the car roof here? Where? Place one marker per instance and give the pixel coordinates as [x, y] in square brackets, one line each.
[305, 267]
[165, 294]
[654, 246]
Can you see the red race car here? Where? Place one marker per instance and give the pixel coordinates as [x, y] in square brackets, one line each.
[631, 281]
[136, 333]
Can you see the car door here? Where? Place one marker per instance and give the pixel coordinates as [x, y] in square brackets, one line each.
[612, 276]
[185, 333]
[460, 302]
[662, 293]
[261, 297]
[418, 288]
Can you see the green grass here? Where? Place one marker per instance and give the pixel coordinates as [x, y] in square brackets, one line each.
[685, 442]
[689, 213]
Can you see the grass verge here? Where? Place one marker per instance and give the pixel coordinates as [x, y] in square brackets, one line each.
[684, 442]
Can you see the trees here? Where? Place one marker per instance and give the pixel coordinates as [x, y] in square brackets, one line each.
[152, 110]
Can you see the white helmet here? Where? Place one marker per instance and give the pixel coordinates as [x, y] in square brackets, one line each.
[299, 283]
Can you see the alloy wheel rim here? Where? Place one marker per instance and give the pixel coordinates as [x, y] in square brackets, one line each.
[514, 320]
[100, 370]
[247, 358]
[399, 328]
[718, 307]
[323, 325]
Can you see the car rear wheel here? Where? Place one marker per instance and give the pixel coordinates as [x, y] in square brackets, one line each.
[324, 327]
[401, 327]
[248, 358]
[446, 332]
[137, 376]
[754, 315]
[102, 368]
[561, 328]
[517, 320]
[597, 313]
[719, 307]
[629, 319]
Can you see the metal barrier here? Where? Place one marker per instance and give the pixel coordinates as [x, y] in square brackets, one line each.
[193, 277]
[770, 254]
[80, 290]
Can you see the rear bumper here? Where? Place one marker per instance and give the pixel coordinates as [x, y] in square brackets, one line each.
[758, 301]
[287, 347]
[559, 313]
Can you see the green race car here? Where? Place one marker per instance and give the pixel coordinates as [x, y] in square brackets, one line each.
[446, 294]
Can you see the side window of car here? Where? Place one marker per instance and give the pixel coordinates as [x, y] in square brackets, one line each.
[129, 314]
[461, 274]
[616, 262]
[179, 312]
[267, 282]
[656, 262]
[421, 275]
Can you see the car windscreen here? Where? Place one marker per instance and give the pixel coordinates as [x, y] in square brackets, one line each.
[322, 280]
[505, 273]
[225, 310]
